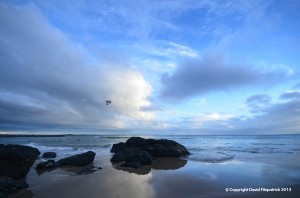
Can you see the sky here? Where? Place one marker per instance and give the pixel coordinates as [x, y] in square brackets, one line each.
[168, 66]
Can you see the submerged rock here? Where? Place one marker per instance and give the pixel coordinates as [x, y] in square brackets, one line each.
[49, 155]
[137, 151]
[16, 160]
[82, 159]
[8, 185]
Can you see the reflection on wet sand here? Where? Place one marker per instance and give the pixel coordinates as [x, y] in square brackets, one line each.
[73, 170]
[169, 163]
[108, 183]
[22, 193]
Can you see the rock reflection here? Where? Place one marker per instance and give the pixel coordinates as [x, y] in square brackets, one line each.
[168, 163]
[140, 171]
[73, 170]
[24, 193]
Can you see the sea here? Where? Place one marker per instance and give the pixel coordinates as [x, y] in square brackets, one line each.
[203, 148]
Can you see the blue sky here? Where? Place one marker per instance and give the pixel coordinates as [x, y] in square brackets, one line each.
[169, 67]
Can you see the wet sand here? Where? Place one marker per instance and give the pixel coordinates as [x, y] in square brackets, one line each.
[170, 178]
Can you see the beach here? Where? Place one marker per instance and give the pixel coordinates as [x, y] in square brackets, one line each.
[226, 174]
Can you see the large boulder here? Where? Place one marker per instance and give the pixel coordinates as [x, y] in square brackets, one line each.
[137, 151]
[16, 160]
[82, 159]
[157, 148]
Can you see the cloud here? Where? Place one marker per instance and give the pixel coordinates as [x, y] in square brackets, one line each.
[259, 98]
[281, 117]
[46, 79]
[290, 95]
[258, 102]
[276, 118]
[270, 118]
[212, 73]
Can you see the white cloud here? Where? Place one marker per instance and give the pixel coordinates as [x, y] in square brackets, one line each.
[53, 81]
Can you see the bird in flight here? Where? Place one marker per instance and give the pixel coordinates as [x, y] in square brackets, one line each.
[108, 102]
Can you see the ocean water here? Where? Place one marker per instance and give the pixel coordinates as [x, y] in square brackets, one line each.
[204, 149]
[216, 163]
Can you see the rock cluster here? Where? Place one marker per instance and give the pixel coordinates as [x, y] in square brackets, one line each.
[16, 161]
[137, 151]
[79, 160]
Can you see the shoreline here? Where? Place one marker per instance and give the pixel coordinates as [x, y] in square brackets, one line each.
[192, 179]
[168, 177]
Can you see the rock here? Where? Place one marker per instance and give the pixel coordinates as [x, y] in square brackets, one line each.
[136, 151]
[16, 160]
[82, 159]
[117, 147]
[49, 155]
[131, 155]
[157, 148]
[48, 165]
[8, 185]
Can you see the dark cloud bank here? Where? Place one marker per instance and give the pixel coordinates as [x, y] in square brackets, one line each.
[213, 73]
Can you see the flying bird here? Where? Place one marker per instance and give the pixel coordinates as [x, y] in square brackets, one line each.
[108, 102]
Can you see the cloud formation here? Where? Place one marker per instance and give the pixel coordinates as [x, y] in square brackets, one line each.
[46, 79]
[213, 73]
[278, 118]
[258, 102]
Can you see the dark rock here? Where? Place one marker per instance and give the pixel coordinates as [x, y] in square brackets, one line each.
[82, 159]
[16, 160]
[140, 156]
[8, 185]
[117, 147]
[137, 151]
[131, 155]
[157, 148]
[49, 155]
[48, 165]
